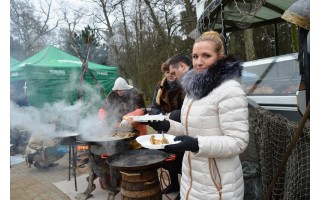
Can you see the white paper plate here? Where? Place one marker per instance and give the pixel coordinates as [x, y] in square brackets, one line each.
[144, 140]
[146, 118]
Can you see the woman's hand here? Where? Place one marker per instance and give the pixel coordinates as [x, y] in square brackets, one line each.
[187, 144]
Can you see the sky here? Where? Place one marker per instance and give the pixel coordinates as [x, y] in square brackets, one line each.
[56, 4]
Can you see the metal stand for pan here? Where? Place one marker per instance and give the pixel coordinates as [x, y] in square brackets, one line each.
[72, 143]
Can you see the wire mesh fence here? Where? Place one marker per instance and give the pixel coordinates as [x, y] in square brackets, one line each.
[270, 135]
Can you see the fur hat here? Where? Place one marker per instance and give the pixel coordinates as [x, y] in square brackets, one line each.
[121, 84]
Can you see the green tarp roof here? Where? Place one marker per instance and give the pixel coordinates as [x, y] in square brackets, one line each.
[49, 73]
[13, 61]
[52, 58]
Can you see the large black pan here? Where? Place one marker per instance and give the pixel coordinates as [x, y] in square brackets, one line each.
[110, 144]
[114, 136]
[137, 159]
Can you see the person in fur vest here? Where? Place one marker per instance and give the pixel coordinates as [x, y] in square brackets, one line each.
[168, 95]
[214, 124]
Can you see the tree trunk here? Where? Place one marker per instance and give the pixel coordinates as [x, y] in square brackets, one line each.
[248, 42]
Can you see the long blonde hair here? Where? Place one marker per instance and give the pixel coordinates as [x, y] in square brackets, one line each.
[214, 37]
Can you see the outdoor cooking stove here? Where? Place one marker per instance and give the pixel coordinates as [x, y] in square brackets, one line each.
[139, 175]
[98, 150]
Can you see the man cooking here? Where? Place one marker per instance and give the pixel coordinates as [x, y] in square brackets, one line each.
[124, 101]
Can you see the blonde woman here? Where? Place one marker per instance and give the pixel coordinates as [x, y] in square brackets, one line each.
[214, 124]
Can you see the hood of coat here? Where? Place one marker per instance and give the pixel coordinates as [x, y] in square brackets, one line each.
[199, 85]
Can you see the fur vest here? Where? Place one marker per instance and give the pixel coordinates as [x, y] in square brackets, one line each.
[199, 85]
[170, 96]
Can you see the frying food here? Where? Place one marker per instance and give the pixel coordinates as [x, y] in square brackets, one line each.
[123, 135]
[155, 141]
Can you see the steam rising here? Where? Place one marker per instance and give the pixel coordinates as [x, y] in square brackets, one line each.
[60, 118]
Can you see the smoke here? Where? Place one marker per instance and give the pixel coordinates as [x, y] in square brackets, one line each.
[30, 119]
[94, 130]
[54, 119]
[62, 117]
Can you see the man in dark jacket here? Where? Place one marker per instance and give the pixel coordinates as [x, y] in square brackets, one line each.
[168, 94]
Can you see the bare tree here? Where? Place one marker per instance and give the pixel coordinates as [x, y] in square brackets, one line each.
[249, 47]
[138, 35]
[144, 33]
[29, 26]
[102, 15]
[71, 21]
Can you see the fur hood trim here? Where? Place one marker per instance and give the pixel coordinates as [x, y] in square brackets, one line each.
[199, 85]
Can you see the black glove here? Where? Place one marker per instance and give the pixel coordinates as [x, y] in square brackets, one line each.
[187, 144]
[160, 126]
[175, 115]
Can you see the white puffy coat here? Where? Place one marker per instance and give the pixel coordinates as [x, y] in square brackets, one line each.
[220, 122]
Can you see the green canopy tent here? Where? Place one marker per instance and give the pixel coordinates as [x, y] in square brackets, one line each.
[13, 61]
[52, 75]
